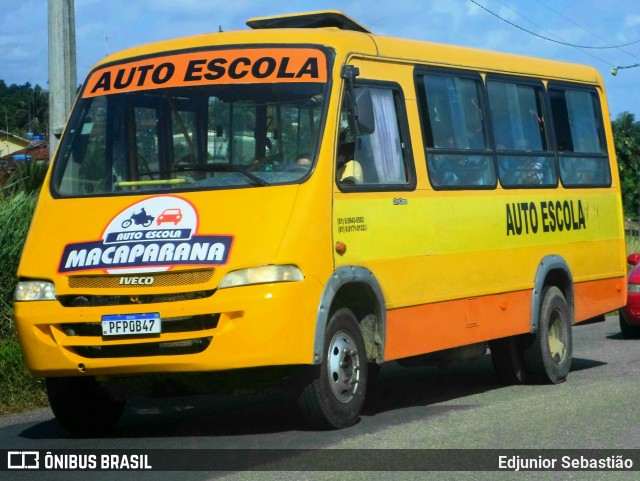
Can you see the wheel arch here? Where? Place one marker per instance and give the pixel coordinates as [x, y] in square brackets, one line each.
[553, 270]
[357, 288]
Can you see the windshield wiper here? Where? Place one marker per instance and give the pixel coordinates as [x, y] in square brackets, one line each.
[226, 168]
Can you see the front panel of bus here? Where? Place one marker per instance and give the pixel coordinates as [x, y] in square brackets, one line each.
[174, 231]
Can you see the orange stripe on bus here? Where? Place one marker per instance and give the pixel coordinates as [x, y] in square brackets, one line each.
[432, 327]
[595, 297]
[416, 330]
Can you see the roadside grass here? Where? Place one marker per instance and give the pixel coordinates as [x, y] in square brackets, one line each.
[19, 391]
[15, 217]
[633, 243]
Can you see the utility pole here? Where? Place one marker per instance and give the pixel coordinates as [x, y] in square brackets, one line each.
[62, 67]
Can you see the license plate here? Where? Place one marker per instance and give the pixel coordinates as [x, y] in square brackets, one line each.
[131, 324]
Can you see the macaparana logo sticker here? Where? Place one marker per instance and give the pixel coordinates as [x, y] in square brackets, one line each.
[152, 235]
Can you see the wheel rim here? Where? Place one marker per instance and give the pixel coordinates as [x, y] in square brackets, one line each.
[343, 366]
[557, 338]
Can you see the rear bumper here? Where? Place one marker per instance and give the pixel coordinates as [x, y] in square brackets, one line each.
[261, 325]
[631, 311]
[631, 315]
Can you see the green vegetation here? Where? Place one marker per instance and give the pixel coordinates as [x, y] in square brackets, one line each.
[626, 135]
[23, 108]
[18, 389]
[27, 178]
[15, 214]
[633, 244]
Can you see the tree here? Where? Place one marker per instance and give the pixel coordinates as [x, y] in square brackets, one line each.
[23, 108]
[626, 137]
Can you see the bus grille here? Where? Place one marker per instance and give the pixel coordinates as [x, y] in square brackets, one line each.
[169, 325]
[160, 279]
[101, 301]
[181, 347]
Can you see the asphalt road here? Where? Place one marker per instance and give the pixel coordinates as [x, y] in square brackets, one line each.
[462, 407]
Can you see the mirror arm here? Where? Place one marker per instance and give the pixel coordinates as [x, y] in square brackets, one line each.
[349, 73]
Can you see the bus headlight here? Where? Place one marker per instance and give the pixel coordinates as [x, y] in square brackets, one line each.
[261, 275]
[34, 291]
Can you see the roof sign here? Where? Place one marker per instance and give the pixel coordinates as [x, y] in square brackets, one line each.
[247, 65]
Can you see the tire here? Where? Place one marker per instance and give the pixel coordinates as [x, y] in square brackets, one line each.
[82, 406]
[334, 396]
[507, 356]
[548, 358]
[126, 223]
[629, 331]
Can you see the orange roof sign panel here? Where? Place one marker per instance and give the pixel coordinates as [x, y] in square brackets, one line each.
[250, 65]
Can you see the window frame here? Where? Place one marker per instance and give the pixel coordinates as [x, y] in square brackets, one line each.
[549, 132]
[552, 154]
[427, 135]
[597, 104]
[405, 138]
[83, 104]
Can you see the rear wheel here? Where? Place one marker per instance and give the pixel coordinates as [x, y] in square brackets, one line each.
[548, 358]
[629, 331]
[82, 406]
[334, 396]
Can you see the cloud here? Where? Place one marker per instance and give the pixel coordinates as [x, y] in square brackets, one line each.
[128, 23]
[24, 46]
[631, 20]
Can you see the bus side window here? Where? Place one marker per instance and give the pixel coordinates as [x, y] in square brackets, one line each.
[376, 161]
[455, 132]
[578, 127]
[520, 134]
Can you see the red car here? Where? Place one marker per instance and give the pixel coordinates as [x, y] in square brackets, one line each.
[170, 215]
[630, 314]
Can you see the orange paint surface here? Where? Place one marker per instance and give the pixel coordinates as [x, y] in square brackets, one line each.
[596, 297]
[431, 327]
[416, 330]
[251, 65]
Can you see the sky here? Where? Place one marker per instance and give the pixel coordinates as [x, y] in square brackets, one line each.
[106, 26]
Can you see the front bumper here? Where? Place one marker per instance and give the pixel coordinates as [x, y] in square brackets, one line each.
[249, 326]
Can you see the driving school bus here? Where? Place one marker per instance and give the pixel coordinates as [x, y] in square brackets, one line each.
[307, 197]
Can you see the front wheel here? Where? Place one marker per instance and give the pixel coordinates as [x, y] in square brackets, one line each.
[548, 357]
[334, 396]
[82, 406]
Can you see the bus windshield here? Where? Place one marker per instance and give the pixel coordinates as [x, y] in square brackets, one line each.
[196, 137]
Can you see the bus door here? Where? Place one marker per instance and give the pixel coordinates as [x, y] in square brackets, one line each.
[376, 223]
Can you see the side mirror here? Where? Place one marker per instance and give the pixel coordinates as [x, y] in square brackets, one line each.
[366, 120]
[633, 259]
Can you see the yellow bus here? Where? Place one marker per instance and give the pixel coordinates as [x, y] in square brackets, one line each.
[307, 197]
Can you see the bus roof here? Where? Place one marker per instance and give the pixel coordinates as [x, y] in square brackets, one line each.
[336, 30]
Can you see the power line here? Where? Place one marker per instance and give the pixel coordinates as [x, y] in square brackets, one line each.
[547, 38]
[614, 70]
[551, 33]
[584, 29]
